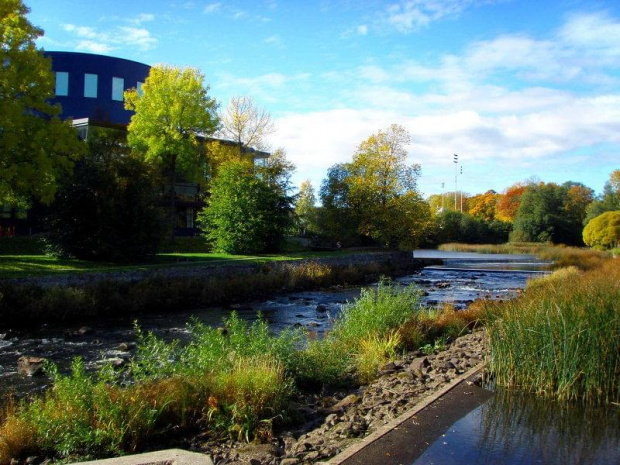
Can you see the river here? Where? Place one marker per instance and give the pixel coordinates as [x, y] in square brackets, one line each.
[462, 279]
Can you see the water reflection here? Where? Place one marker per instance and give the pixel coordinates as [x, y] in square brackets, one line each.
[514, 428]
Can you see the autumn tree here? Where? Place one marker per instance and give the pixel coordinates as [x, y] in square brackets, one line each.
[36, 148]
[337, 218]
[483, 206]
[173, 112]
[246, 124]
[383, 189]
[508, 203]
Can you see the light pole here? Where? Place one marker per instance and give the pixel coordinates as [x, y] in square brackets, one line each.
[461, 190]
[443, 196]
[456, 173]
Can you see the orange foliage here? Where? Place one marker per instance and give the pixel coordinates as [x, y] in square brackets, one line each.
[509, 203]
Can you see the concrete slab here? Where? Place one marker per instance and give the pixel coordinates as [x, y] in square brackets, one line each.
[162, 457]
[383, 446]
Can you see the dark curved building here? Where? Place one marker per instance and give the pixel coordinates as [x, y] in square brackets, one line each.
[91, 86]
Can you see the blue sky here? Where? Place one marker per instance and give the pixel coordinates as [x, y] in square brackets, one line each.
[519, 89]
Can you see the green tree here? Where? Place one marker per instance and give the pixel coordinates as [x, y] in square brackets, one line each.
[603, 231]
[105, 210]
[172, 112]
[245, 213]
[337, 218]
[383, 189]
[36, 148]
[609, 201]
[305, 209]
[549, 213]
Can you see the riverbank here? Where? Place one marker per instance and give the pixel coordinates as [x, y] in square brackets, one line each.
[32, 301]
[336, 419]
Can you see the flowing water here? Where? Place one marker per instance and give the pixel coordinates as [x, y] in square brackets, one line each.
[514, 429]
[459, 284]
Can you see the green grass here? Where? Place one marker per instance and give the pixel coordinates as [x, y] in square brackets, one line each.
[22, 266]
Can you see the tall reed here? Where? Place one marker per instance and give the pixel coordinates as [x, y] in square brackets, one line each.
[561, 338]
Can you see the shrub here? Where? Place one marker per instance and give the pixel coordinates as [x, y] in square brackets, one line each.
[603, 231]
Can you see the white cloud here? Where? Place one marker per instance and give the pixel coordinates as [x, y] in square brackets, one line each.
[212, 8]
[94, 47]
[515, 101]
[139, 37]
[141, 18]
[105, 42]
[274, 40]
[412, 15]
[362, 30]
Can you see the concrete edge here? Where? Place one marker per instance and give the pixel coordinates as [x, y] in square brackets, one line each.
[162, 457]
[357, 447]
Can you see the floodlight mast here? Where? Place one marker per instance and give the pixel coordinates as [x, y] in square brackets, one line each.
[456, 173]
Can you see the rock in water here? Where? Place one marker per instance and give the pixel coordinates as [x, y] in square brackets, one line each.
[30, 366]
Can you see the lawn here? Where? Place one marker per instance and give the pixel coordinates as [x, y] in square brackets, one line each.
[33, 262]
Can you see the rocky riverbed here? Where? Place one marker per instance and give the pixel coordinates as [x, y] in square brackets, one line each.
[335, 420]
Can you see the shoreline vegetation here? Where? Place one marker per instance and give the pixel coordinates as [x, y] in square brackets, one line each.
[560, 338]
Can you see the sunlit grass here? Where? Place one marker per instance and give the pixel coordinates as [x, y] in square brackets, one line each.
[561, 338]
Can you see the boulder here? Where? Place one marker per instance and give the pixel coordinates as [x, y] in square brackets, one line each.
[30, 366]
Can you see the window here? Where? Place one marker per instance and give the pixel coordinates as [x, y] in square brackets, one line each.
[118, 86]
[90, 85]
[139, 88]
[62, 83]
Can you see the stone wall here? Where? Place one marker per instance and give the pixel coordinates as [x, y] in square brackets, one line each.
[403, 260]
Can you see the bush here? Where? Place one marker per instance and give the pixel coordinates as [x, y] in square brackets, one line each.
[603, 231]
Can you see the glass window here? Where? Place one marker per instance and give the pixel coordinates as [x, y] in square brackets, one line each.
[62, 83]
[118, 86]
[139, 88]
[90, 85]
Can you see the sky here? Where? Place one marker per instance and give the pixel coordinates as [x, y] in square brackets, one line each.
[521, 90]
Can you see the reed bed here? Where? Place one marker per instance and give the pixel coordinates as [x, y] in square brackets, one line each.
[561, 338]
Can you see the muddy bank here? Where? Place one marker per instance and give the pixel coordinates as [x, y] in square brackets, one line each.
[333, 420]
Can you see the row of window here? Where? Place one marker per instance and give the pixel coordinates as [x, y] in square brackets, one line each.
[90, 86]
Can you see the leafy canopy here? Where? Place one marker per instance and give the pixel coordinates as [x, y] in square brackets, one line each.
[245, 212]
[383, 188]
[36, 148]
[172, 110]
